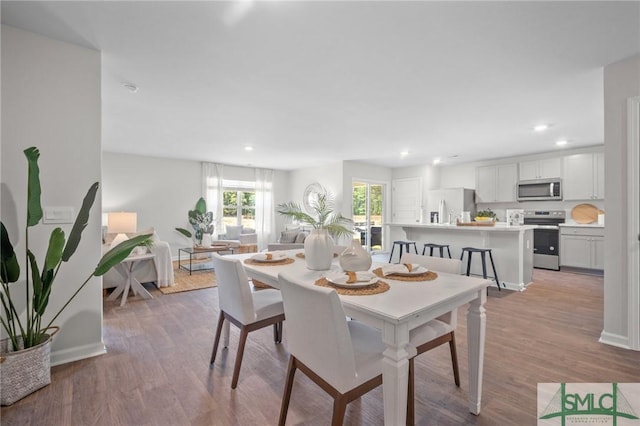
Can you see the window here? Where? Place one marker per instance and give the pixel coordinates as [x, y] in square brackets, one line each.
[239, 204]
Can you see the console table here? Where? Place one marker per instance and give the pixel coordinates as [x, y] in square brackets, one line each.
[126, 268]
[205, 266]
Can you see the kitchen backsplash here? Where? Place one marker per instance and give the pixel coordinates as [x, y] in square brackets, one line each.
[500, 209]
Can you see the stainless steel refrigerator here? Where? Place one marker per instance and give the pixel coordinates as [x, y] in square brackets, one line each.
[448, 204]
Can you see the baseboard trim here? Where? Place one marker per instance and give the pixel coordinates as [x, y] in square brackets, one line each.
[77, 353]
[614, 340]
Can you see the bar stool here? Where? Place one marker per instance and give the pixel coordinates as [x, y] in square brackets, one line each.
[482, 252]
[403, 244]
[432, 246]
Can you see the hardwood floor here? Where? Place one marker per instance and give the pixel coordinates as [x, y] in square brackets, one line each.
[156, 371]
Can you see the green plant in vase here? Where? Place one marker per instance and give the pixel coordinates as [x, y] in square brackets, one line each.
[323, 216]
[200, 220]
[39, 280]
[326, 223]
[28, 328]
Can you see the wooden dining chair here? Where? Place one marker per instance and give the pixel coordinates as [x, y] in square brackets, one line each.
[243, 308]
[343, 357]
[436, 332]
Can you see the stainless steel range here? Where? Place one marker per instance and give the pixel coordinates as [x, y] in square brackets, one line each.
[546, 237]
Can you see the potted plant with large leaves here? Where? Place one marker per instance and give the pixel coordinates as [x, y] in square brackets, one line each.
[25, 353]
[326, 223]
[201, 221]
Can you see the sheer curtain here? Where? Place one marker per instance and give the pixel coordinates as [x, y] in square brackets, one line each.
[212, 193]
[265, 221]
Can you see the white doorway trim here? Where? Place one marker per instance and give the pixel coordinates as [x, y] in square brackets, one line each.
[633, 221]
[385, 207]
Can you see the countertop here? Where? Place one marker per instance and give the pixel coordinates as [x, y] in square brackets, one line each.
[582, 225]
[499, 227]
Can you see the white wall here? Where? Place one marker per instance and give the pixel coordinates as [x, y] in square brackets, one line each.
[51, 100]
[621, 81]
[329, 176]
[337, 178]
[161, 191]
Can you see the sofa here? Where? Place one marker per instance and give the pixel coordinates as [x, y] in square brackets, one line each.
[158, 270]
[290, 239]
[243, 239]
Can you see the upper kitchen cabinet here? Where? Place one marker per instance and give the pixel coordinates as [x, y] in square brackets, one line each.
[541, 169]
[583, 176]
[496, 183]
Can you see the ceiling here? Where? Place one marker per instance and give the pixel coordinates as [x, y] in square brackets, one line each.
[310, 83]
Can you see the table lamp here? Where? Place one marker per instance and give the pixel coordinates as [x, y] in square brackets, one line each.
[121, 223]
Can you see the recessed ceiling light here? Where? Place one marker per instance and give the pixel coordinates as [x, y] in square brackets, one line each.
[436, 160]
[404, 153]
[562, 142]
[130, 87]
[248, 148]
[541, 127]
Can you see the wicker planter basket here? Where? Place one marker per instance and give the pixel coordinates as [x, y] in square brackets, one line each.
[25, 371]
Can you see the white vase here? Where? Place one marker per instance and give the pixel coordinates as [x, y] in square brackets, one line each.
[206, 240]
[355, 257]
[318, 250]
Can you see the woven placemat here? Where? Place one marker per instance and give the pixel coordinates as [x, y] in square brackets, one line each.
[427, 276]
[302, 256]
[379, 287]
[284, 261]
[259, 284]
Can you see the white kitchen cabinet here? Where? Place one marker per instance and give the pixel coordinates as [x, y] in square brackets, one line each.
[496, 183]
[582, 247]
[583, 177]
[541, 169]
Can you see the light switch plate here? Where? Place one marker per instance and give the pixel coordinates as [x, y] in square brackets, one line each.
[58, 215]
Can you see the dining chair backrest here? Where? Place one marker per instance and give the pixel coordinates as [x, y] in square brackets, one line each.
[317, 331]
[234, 292]
[438, 264]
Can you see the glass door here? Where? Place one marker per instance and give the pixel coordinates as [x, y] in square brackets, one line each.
[368, 207]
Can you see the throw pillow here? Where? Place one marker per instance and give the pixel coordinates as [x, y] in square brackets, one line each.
[288, 237]
[301, 237]
[233, 232]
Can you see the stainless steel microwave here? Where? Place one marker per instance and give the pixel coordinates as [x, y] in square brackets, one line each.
[540, 189]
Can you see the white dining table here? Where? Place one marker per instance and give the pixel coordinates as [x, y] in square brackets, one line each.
[405, 306]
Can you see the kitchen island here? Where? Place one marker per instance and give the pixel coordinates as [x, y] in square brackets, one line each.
[512, 247]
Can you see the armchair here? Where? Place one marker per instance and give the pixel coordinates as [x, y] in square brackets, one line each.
[239, 236]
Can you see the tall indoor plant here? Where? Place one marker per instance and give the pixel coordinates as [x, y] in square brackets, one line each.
[29, 329]
[326, 223]
[200, 220]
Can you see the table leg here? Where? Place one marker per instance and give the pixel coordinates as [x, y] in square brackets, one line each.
[476, 325]
[124, 272]
[395, 373]
[139, 289]
[125, 293]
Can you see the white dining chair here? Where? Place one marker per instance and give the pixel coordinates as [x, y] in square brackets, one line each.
[343, 357]
[243, 308]
[436, 332]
